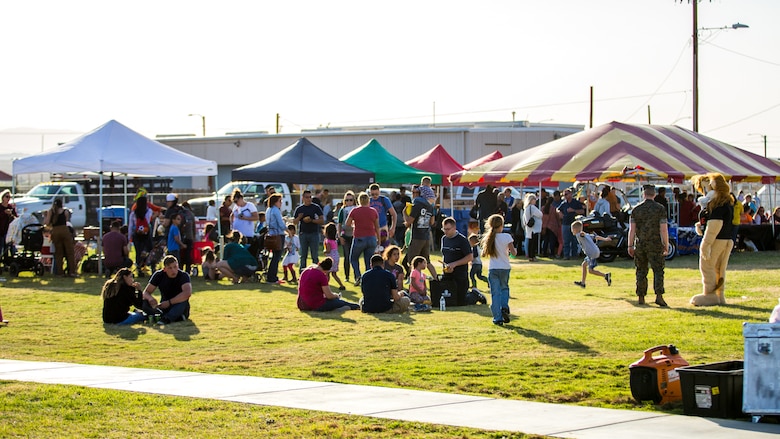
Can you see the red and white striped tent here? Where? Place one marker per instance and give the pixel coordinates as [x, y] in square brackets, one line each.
[495, 155]
[620, 151]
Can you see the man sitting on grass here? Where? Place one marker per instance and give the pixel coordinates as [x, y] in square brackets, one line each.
[175, 291]
[380, 292]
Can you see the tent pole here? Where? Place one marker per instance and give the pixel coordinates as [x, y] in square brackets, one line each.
[100, 226]
[539, 200]
[219, 222]
[452, 196]
[126, 214]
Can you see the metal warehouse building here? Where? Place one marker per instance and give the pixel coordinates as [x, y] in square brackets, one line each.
[463, 141]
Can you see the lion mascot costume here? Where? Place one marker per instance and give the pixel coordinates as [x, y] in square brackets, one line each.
[715, 228]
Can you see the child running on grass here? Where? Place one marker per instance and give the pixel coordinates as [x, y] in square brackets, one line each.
[588, 243]
[418, 292]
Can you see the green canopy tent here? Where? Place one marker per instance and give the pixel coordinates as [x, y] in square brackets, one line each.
[388, 169]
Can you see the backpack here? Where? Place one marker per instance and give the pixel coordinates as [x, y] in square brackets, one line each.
[141, 226]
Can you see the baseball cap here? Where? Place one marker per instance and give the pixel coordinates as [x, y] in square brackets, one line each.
[170, 197]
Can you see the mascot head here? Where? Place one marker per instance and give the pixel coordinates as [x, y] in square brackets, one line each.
[701, 183]
[714, 184]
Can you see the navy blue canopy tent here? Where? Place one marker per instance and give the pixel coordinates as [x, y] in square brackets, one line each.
[303, 162]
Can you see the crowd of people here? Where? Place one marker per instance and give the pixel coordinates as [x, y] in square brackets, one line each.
[385, 244]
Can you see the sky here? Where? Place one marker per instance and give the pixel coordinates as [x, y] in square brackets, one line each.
[69, 67]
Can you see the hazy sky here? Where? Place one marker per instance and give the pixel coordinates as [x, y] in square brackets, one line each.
[72, 66]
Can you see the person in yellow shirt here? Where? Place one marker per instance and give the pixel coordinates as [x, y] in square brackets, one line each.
[737, 218]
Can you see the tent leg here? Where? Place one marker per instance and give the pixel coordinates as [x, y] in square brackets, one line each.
[100, 227]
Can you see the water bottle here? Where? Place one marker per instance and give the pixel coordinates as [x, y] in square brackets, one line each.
[442, 304]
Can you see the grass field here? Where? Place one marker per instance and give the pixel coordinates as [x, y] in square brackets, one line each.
[564, 344]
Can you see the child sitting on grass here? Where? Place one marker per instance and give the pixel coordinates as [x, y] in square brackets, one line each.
[588, 243]
[209, 265]
[418, 292]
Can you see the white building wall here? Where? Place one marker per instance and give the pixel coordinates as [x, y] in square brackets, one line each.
[464, 144]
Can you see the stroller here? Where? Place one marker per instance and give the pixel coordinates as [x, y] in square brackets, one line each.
[262, 254]
[29, 257]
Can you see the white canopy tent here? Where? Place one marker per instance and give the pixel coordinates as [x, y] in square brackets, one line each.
[115, 148]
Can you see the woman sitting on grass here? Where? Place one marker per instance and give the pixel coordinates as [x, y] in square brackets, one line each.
[238, 264]
[118, 295]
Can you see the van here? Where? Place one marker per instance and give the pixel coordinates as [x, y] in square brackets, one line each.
[253, 191]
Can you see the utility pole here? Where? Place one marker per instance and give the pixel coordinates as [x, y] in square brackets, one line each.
[762, 135]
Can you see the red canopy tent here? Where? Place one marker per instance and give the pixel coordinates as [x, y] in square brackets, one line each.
[437, 161]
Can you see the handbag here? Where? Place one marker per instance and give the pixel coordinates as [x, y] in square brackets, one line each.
[473, 211]
[273, 242]
[531, 222]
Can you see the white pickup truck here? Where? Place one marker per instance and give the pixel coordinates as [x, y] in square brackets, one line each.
[253, 191]
[40, 198]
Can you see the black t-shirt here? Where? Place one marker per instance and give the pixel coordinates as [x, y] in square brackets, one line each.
[169, 287]
[314, 212]
[421, 226]
[376, 285]
[454, 249]
[724, 213]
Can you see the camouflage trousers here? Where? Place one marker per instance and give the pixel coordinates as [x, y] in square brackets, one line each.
[651, 257]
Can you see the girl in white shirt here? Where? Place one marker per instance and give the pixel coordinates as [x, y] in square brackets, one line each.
[497, 246]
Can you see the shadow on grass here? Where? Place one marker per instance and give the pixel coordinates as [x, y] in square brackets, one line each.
[400, 318]
[721, 311]
[126, 332]
[333, 315]
[549, 340]
[181, 331]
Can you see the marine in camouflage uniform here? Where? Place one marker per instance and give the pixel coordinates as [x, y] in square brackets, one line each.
[648, 236]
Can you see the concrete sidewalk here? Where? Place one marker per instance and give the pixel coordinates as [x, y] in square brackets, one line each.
[400, 404]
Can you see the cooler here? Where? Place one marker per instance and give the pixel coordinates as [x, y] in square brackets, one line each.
[761, 380]
[197, 250]
[712, 390]
[47, 256]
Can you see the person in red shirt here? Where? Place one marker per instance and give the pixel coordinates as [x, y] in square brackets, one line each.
[687, 217]
[364, 220]
[314, 293]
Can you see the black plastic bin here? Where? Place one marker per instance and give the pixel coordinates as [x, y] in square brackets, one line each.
[713, 390]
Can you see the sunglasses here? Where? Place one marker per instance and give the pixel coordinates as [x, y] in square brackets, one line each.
[349, 199]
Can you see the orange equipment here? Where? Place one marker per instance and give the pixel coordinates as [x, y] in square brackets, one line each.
[656, 378]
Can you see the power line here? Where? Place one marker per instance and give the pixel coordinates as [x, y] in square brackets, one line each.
[674, 67]
[745, 118]
[496, 110]
[746, 56]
